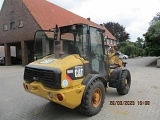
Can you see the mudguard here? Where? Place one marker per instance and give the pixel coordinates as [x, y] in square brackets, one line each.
[88, 80]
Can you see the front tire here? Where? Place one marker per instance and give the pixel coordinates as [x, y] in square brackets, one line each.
[93, 98]
[125, 82]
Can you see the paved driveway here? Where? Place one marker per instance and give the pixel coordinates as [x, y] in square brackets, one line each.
[16, 104]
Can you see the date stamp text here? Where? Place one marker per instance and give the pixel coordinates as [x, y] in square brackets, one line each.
[129, 103]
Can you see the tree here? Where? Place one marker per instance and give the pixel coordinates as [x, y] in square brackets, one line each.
[140, 43]
[131, 49]
[155, 19]
[152, 38]
[117, 30]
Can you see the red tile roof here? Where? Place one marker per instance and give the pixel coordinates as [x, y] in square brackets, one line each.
[48, 15]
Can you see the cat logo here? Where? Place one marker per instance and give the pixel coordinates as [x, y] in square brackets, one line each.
[78, 71]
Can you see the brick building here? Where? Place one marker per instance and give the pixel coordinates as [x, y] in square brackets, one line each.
[19, 19]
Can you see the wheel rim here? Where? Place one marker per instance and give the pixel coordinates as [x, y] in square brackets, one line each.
[126, 82]
[96, 97]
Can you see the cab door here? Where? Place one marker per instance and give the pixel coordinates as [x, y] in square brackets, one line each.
[98, 64]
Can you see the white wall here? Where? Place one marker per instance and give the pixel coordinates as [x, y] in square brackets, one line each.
[13, 51]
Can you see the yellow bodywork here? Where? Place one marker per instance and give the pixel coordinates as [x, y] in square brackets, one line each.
[71, 96]
[72, 93]
[63, 64]
[113, 59]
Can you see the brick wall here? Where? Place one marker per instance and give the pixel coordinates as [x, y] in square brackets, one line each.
[16, 11]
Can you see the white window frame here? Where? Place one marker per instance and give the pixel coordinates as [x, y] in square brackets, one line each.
[5, 27]
[20, 22]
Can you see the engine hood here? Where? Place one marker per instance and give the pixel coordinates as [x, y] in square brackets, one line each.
[62, 64]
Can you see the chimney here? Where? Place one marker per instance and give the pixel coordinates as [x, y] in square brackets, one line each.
[89, 19]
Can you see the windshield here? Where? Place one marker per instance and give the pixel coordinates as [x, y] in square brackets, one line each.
[75, 39]
[69, 41]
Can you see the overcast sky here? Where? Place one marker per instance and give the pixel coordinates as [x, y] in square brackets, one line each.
[134, 15]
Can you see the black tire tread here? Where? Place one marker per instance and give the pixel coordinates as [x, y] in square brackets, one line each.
[122, 90]
[84, 108]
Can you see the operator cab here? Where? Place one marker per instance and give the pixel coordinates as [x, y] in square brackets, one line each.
[78, 39]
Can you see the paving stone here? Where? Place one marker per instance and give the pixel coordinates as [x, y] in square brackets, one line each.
[16, 104]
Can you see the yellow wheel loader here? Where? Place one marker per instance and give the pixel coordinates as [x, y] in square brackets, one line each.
[72, 69]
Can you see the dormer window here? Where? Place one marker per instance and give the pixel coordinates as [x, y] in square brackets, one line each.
[12, 25]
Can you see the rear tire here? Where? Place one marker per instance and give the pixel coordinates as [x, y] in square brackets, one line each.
[93, 98]
[125, 82]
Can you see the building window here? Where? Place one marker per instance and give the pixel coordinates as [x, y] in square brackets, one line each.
[20, 23]
[12, 25]
[5, 27]
[115, 43]
[107, 41]
[111, 42]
